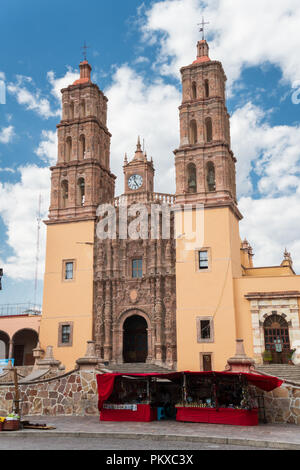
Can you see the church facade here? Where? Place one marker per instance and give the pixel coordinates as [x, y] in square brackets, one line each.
[158, 299]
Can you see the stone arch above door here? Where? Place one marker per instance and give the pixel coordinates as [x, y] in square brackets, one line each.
[265, 304]
[119, 336]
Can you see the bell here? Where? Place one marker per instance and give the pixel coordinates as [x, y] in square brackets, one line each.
[211, 180]
[192, 185]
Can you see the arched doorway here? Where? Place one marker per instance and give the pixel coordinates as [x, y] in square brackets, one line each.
[135, 339]
[277, 339]
[4, 345]
[24, 342]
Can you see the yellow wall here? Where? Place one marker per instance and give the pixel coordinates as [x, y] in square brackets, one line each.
[68, 300]
[208, 293]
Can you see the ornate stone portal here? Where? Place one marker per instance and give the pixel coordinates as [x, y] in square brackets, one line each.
[149, 294]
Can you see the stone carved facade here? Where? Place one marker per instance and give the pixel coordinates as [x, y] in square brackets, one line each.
[119, 295]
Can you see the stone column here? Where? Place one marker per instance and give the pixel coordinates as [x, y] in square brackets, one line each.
[11, 348]
[240, 362]
[37, 354]
[48, 362]
[90, 361]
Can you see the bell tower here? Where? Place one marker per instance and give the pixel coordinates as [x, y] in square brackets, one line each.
[205, 177]
[81, 178]
[205, 164]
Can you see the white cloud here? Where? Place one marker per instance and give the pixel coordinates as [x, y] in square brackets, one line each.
[147, 109]
[58, 84]
[246, 33]
[32, 100]
[18, 209]
[7, 170]
[6, 134]
[271, 225]
[47, 149]
[273, 153]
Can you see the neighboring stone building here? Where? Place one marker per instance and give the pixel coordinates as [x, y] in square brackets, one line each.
[122, 292]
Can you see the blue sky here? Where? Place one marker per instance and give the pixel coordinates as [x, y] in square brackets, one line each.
[136, 51]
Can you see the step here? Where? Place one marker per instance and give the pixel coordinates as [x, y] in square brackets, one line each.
[283, 371]
[138, 368]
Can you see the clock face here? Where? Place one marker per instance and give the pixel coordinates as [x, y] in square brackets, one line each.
[135, 181]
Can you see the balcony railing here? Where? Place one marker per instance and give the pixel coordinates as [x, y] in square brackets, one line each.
[143, 197]
[10, 310]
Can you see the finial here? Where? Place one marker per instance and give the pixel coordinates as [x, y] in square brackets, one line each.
[287, 255]
[139, 147]
[125, 158]
[202, 29]
[85, 47]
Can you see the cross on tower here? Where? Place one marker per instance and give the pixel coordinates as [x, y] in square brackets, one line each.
[202, 27]
[85, 47]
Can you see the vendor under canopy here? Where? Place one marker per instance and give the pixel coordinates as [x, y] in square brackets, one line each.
[196, 396]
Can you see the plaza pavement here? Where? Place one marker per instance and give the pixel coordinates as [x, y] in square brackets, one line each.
[273, 436]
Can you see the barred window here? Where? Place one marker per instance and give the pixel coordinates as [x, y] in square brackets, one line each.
[69, 270]
[205, 329]
[137, 268]
[65, 334]
[203, 259]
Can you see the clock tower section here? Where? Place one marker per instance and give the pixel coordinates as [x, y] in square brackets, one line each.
[138, 173]
[80, 181]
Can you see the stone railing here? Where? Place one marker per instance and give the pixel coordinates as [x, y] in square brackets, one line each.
[155, 198]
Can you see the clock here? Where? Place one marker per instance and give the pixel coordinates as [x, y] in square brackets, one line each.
[135, 181]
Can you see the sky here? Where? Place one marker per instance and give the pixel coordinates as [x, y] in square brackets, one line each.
[136, 50]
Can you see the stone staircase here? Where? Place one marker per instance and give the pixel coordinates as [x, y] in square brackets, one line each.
[282, 371]
[135, 368]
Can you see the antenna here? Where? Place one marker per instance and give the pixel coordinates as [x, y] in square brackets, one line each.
[37, 256]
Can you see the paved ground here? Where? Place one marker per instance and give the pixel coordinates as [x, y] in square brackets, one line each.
[98, 443]
[161, 433]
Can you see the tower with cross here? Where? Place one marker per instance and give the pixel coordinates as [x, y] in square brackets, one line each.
[202, 29]
[85, 48]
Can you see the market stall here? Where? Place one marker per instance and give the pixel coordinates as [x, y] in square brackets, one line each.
[219, 398]
[206, 397]
[137, 397]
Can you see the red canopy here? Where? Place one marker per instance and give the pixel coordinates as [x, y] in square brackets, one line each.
[106, 381]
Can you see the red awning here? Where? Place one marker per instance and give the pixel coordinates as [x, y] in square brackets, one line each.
[264, 382]
[106, 381]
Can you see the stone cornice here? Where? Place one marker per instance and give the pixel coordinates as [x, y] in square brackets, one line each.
[85, 162]
[272, 295]
[80, 86]
[94, 119]
[70, 220]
